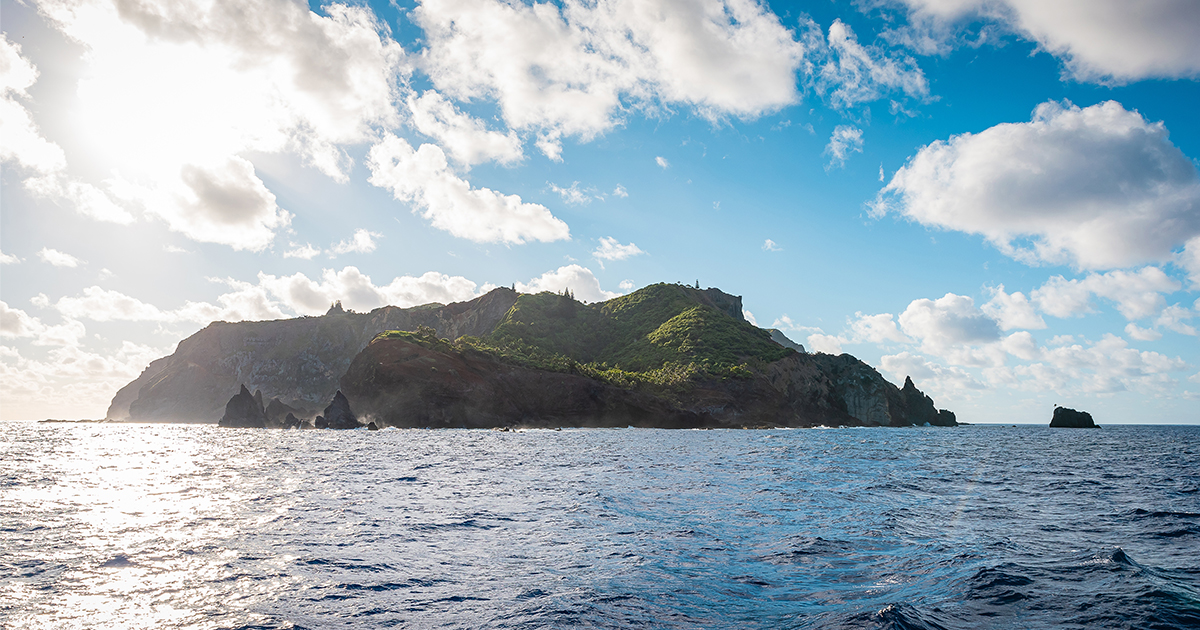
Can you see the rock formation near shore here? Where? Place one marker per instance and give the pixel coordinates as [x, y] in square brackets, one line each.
[245, 411]
[1072, 419]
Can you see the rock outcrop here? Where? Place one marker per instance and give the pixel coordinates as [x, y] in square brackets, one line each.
[278, 412]
[1072, 419]
[292, 422]
[244, 411]
[338, 414]
[778, 337]
[298, 361]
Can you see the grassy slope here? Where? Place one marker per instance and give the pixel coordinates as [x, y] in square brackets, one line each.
[664, 335]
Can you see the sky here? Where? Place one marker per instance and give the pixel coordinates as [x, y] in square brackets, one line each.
[998, 198]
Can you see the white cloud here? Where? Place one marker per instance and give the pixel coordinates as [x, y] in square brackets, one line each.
[611, 249]
[745, 313]
[572, 69]
[950, 319]
[305, 251]
[856, 74]
[174, 93]
[844, 141]
[1189, 260]
[828, 344]
[662, 162]
[1099, 40]
[1012, 310]
[1098, 187]
[466, 139]
[1105, 367]
[363, 242]
[357, 292]
[574, 195]
[174, 249]
[15, 323]
[423, 178]
[9, 259]
[580, 280]
[771, 246]
[58, 259]
[620, 191]
[1137, 295]
[879, 328]
[1142, 334]
[1174, 318]
[933, 377]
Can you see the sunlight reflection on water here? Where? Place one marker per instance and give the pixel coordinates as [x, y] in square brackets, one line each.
[160, 526]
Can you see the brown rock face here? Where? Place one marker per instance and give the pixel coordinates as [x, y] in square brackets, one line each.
[296, 360]
[402, 384]
[396, 382]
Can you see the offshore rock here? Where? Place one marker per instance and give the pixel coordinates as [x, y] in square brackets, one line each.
[278, 412]
[298, 361]
[1072, 419]
[920, 407]
[244, 411]
[338, 414]
[292, 422]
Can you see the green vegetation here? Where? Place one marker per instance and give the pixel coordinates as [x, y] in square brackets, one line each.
[662, 338]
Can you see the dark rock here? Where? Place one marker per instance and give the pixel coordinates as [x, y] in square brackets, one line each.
[258, 398]
[292, 422]
[372, 427]
[277, 412]
[338, 414]
[778, 337]
[920, 409]
[244, 411]
[320, 423]
[1072, 419]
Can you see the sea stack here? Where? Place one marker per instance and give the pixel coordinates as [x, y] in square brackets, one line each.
[244, 411]
[1072, 419]
[338, 414]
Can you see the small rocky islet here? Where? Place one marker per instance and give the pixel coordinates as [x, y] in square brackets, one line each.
[667, 355]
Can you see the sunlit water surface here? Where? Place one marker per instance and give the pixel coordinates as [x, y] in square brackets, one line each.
[158, 526]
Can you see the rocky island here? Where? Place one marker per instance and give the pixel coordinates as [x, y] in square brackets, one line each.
[1072, 419]
[667, 355]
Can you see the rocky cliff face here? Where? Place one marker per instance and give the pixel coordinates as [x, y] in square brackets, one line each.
[298, 360]
[396, 382]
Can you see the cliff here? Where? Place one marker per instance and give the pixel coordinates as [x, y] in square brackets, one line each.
[298, 361]
[666, 355]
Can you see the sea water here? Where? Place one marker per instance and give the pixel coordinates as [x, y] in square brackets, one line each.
[167, 526]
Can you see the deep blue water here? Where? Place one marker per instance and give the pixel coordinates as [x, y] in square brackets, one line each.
[158, 526]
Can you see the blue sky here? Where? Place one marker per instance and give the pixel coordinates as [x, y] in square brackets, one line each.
[999, 198]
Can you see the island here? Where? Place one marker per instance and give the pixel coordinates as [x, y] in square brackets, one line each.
[667, 355]
[1071, 419]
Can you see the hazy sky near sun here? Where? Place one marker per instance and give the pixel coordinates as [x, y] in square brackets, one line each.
[999, 198]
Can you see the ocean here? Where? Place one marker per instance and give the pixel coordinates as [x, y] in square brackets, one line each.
[122, 526]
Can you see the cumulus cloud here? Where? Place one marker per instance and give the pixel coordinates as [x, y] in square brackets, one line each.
[424, 179]
[305, 251]
[949, 320]
[580, 280]
[1137, 294]
[16, 323]
[1104, 367]
[620, 191]
[879, 328]
[363, 242]
[828, 344]
[572, 69]
[611, 249]
[1141, 334]
[58, 259]
[1098, 187]
[176, 92]
[855, 74]
[771, 246]
[933, 377]
[466, 139]
[844, 141]
[662, 162]
[358, 292]
[1012, 310]
[1099, 40]
[9, 259]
